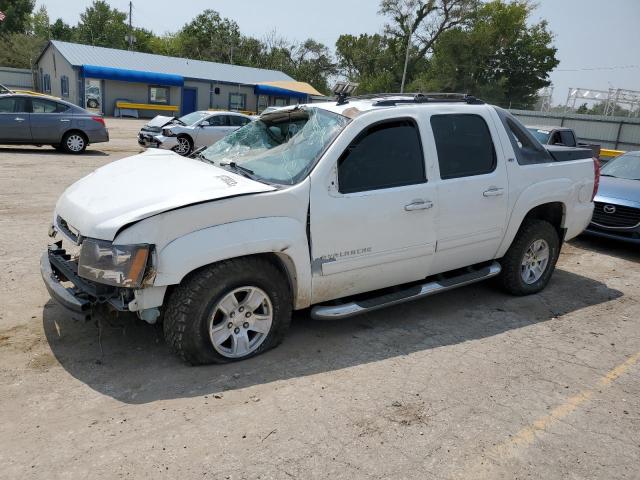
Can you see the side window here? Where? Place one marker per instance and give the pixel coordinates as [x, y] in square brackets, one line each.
[464, 145]
[567, 138]
[40, 105]
[159, 95]
[64, 85]
[527, 149]
[237, 121]
[62, 108]
[383, 156]
[13, 105]
[217, 121]
[237, 101]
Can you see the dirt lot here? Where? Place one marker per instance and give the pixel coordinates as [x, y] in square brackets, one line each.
[469, 384]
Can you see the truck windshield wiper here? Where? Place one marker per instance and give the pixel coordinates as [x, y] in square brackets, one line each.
[239, 168]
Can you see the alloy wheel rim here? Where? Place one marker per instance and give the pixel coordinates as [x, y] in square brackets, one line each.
[75, 143]
[183, 146]
[240, 322]
[535, 261]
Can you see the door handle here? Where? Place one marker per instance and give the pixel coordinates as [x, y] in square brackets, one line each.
[65, 120]
[419, 205]
[19, 119]
[493, 192]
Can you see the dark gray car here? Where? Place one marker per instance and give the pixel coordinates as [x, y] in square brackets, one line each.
[40, 120]
[617, 204]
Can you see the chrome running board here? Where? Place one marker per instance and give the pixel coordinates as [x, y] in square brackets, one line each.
[337, 312]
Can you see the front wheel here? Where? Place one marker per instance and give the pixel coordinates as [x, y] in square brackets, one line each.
[530, 261]
[228, 311]
[184, 146]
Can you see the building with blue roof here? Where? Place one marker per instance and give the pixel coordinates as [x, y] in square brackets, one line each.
[98, 78]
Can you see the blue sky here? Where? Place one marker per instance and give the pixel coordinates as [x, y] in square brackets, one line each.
[592, 36]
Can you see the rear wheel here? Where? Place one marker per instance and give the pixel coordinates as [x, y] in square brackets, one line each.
[530, 261]
[228, 311]
[184, 146]
[74, 142]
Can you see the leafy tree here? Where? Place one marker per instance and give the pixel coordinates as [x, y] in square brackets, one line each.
[19, 50]
[582, 109]
[370, 60]
[102, 26]
[498, 56]
[61, 31]
[210, 37]
[417, 25]
[18, 16]
[40, 23]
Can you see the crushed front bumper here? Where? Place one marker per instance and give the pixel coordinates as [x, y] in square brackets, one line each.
[82, 296]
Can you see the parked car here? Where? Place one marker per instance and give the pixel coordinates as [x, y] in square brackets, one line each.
[39, 120]
[346, 207]
[617, 205]
[185, 134]
[551, 135]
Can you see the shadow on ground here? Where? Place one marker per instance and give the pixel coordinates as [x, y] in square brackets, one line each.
[607, 246]
[49, 151]
[137, 367]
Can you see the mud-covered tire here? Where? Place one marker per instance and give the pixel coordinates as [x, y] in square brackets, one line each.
[511, 277]
[191, 306]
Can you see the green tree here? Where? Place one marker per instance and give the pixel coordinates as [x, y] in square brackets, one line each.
[40, 23]
[210, 37]
[102, 26]
[370, 60]
[18, 16]
[19, 50]
[582, 109]
[499, 56]
[61, 31]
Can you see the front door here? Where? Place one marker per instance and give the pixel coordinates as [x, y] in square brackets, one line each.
[189, 100]
[472, 190]
[372, 219]
[14, 120]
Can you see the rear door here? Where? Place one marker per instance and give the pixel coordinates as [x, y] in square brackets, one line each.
[14, 120]
[49, 120]
[472, 190]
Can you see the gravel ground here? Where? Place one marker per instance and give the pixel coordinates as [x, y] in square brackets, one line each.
[468, 384]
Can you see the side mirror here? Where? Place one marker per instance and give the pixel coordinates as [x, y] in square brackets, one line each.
[205, 123]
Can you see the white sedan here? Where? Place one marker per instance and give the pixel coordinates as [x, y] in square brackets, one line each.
[185, 134]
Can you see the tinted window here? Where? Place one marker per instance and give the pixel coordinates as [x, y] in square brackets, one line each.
[526, 148]
[218, 121]
[13, 105]
[383, 156]
[567, 138]
[40, 105]
[238, 121]
[464, 145]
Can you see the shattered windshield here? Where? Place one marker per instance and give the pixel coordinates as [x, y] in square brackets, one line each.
[280, 147]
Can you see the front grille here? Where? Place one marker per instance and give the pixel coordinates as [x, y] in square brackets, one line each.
[622, 217]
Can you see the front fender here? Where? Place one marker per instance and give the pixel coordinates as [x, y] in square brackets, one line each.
[285, 237]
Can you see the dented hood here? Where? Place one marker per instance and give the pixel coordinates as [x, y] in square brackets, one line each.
[138, 187]
[159, 121]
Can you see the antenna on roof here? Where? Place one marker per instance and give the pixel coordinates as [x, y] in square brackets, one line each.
[342, 91]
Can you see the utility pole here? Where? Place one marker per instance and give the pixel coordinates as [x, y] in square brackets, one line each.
[130, 26]
[406, 62]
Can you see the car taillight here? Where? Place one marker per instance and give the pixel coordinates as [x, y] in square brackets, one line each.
[596, 177]
[99, 120]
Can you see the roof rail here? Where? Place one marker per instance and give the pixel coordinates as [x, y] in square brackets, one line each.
[392, 99]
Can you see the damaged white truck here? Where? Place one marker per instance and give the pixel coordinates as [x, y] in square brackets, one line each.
[343, 207]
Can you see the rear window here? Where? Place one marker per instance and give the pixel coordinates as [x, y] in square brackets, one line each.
[464, 144]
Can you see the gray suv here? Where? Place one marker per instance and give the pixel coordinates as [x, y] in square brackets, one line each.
[40, 120]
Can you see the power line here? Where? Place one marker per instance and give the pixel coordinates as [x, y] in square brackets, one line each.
[617, 67]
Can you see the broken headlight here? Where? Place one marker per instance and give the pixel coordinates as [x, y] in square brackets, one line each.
[117, 265]
[167, 132]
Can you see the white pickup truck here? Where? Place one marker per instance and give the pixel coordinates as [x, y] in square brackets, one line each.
[343, 207]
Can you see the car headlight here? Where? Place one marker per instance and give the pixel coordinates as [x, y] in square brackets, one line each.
[167, 132]
[117, 265]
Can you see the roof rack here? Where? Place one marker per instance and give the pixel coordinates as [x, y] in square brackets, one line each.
[392, 99]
